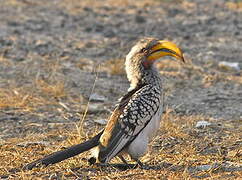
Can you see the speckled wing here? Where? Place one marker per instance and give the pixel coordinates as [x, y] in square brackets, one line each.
[133, 113]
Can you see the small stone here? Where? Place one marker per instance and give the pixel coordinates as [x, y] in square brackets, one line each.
[97, 98]
[204, 167]
[31, 143]
[93, 108]
[140, 19]
[229, 65]
[109, 33]
[202, 124]
[54, 125]
[101, 121]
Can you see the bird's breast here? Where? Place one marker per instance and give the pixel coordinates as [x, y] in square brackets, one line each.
[139, 145]
[152, 127]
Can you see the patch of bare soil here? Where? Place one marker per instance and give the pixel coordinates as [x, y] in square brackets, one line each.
[55, 54]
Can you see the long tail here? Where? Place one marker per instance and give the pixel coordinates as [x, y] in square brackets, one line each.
[65, 154]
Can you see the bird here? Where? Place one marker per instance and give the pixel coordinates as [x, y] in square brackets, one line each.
[137, 115]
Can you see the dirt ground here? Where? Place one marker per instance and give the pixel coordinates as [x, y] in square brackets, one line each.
[55, 55]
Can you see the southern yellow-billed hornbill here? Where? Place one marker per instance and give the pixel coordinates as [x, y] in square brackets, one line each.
[137, 116]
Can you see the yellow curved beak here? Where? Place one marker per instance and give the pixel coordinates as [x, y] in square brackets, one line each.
[165, 48]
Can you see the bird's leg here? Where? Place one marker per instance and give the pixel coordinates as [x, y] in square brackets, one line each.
[129, 166]
[141, 165]
[124, 166]
[123, 159]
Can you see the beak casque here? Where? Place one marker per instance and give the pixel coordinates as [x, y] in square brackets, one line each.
[165, 48]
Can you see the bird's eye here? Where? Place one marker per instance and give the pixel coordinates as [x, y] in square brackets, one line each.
[143, 50]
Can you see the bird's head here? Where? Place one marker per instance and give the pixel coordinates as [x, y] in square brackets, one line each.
[139, 61]
[148, 50]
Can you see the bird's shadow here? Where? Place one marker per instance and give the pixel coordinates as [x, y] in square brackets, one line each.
[109, 167]
[122, 167]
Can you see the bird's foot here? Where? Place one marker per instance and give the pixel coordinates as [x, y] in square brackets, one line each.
[141, 165]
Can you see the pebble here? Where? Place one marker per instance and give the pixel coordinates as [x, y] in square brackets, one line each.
[202, 124]
[229, 65]
[93, 108]
[30, 143]
[97, 98]
[140, 19]
[204, 167]
[101, 121]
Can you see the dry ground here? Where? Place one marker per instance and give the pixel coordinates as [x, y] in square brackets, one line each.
[55, 54]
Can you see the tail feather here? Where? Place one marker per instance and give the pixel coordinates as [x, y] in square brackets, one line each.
[65, 154]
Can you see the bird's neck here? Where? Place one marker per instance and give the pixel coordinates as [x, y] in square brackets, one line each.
[138, 76]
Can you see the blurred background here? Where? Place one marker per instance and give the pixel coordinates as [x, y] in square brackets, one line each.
[61, 69]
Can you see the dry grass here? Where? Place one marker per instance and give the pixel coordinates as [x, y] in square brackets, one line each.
[37, 85]
[177, 150]
[15, 3]
[170, 68]
[234, 5]
[13, 98]
[75, 6]
[114, 67]
[28, 98]
[55, 90]
[32, 84]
